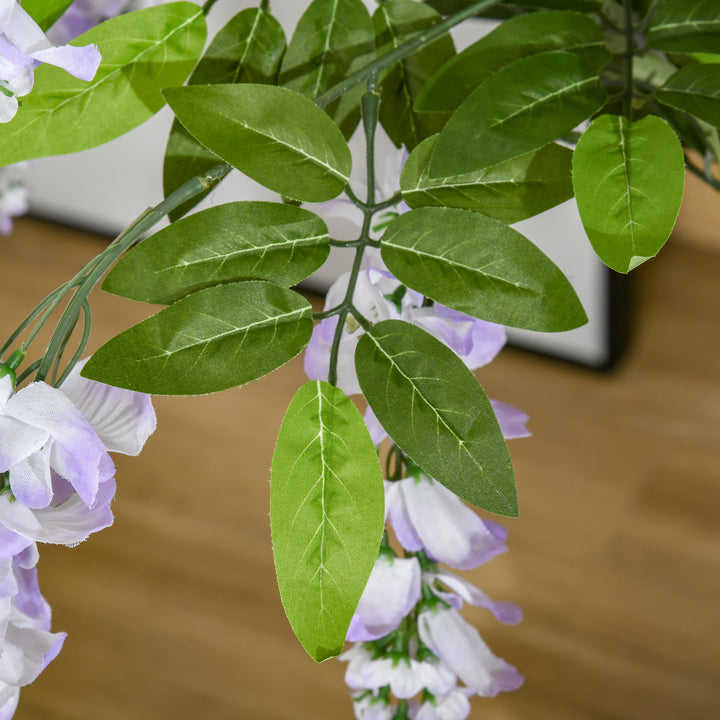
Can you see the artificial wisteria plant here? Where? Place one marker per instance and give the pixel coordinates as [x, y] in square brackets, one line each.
[595, 99]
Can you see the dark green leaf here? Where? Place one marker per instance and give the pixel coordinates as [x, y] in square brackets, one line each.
[435, 410]
[45, 12]
[514, 39]
[225, 243]
[326, 515]
[333, 38]
[685, 26]
[274, 135]
[212, 340]
[481, 267]
[511, 191]
[629, 181]
[142, 52]
[396, 21]
[447, 7]
[696, 90]
[520, 108]
[248, 49]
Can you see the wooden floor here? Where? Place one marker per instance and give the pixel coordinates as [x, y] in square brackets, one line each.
[173, 614]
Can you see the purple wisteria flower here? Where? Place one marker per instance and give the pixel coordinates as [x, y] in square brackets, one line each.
[391, 592]
[54, 448]
[26, 643]
[427, 516]
[460, 646]
[23, 46]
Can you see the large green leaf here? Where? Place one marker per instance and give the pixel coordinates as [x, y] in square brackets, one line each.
[447, 7]
[685, 26]
[45, 12]
[512, 40]
[142, 52]
[696, 90]
[510, 191]
[225, 243]
[396, 21]
[520, 108]
[274, 135]
[629, 180]
[212, 340]
[326, 515]
[435, 410]
[248, 49]
[481, 267]
[332, 39]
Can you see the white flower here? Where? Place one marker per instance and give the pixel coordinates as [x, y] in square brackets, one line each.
[368, 707]
[390, 594]
[426, 515]
[453, 706]
[23, 46]
[459, 645]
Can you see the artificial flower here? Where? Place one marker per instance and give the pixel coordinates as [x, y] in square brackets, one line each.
[368, 707]
[460, 647]
[392, 590]
[23, 46]
[427, 516]
[453, 706]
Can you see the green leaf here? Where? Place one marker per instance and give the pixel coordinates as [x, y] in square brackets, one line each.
[628, 181]
[685, 26]
[516, 38]
[142, 52]
[396, 21]
[511, 191]
[274, 135]
[326, 515]
[520, 108]
[332, 39]
[225, 243]
[45, 12]
[435, 410]
[696, 90]
[481, 267]
[248, 49]
[214, 339]
[447, 7]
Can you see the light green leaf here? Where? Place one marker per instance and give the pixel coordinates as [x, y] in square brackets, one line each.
[225, 243]
[142, 52]
[248, 49]
[326, 515]
[435, 410]
[214, 339]
[511, 191]
[516, 38]
[481, 267]
[628, 181]
[332, 39]
[45, 12]
[396, 21]
[685, 26]
[521, 108]
[696, 90]
[274, 135]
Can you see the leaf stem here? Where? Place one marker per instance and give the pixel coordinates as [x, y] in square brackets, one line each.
[402, 51]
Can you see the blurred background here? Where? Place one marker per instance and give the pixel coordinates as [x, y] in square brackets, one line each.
[615, 559]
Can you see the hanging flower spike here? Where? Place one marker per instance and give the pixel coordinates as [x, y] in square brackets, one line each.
[391, 593]
[427, 516]
[26, 644]
[459, 645]
[55, 444]
[23, 46]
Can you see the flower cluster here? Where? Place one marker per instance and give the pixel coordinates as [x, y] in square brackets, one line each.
[56, 486]
[23, 46]
[410, 636]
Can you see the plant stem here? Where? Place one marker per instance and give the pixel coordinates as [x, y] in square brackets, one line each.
[401, 52]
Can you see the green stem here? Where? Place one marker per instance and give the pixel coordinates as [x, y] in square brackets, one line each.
[629, 52]
[401, 52]
[89, 276]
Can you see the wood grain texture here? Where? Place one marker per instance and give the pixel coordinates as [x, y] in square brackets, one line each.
[173, 612]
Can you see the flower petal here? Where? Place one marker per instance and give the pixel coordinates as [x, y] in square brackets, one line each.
[80, 62]
[31, 481]
[512, 420]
